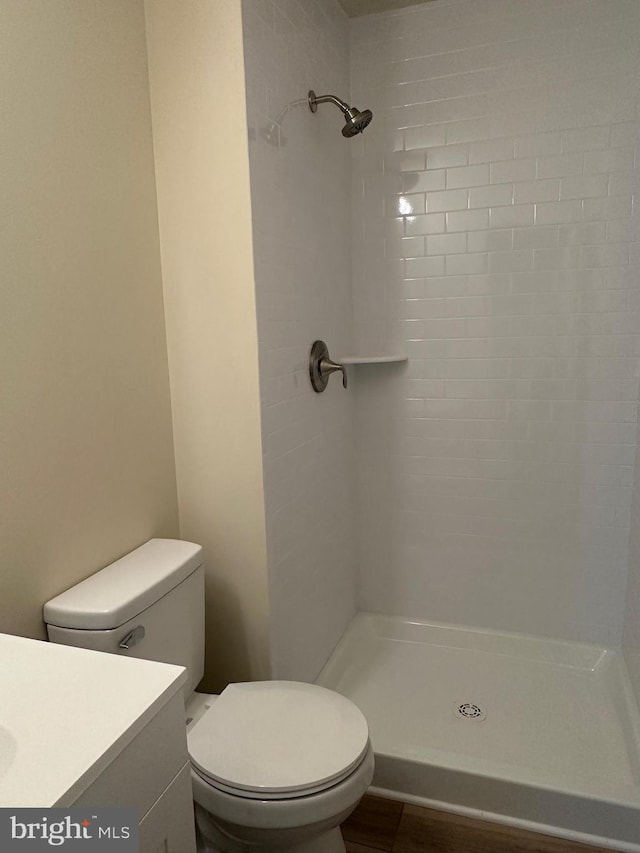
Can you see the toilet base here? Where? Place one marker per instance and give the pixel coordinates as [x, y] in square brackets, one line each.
[212, 839]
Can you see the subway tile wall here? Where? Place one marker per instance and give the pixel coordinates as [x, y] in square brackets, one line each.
[300, 189]
[496, 238]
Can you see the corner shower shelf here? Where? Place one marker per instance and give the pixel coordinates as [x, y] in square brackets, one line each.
[373, 359]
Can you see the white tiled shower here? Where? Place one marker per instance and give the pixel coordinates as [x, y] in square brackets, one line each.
[505, 134]
[492, 236]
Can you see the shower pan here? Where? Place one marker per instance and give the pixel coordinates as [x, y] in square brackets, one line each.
[540, 734]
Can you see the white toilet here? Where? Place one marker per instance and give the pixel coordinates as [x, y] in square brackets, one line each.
[276, 765]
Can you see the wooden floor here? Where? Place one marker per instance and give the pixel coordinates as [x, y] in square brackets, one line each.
[395, 827]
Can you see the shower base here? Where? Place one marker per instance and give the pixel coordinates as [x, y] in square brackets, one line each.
[536, 733]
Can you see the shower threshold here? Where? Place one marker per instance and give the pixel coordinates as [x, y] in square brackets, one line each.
[536, 733]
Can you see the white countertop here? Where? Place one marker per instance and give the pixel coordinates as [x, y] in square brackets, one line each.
[66, 713]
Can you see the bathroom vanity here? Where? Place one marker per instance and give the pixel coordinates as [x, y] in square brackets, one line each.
[83, 728]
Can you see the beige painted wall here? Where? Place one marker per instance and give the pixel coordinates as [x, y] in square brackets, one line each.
[196, 76]
[86, 460]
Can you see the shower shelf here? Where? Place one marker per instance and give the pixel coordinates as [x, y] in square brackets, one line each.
[373, 359]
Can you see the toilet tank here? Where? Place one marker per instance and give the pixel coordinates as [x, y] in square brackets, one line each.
[149, 604]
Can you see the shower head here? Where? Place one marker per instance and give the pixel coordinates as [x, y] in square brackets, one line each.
[356, 120]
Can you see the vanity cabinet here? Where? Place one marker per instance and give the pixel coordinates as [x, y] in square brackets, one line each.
[88, 729]
[153, 775]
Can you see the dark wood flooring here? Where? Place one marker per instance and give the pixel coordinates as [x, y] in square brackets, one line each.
[387, 825]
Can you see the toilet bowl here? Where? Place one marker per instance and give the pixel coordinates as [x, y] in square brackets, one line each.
[303, 825]
[276, 765]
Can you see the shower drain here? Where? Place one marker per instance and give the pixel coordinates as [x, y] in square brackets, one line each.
[469, 711]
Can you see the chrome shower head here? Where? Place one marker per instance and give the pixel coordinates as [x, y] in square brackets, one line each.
[356, 120]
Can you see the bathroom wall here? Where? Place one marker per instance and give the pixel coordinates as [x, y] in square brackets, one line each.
[86, 456]
[300, 195]
[202, 165]
[493, 199]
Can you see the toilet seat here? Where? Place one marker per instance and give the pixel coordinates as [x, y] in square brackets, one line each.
[277, 740]
[269, 795]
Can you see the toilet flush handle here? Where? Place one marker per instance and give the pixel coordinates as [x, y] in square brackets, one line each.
[133, 637]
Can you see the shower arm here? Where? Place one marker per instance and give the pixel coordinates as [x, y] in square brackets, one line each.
[325, 99]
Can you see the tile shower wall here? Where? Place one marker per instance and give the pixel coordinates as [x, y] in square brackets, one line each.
[300, 190]
[494, 237]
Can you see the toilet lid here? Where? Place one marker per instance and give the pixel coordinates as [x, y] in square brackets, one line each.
[278, 738]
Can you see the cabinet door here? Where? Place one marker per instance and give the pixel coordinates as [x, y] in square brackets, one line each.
[168, 826]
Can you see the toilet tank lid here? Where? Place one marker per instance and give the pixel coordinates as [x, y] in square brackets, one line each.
[117, 593]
